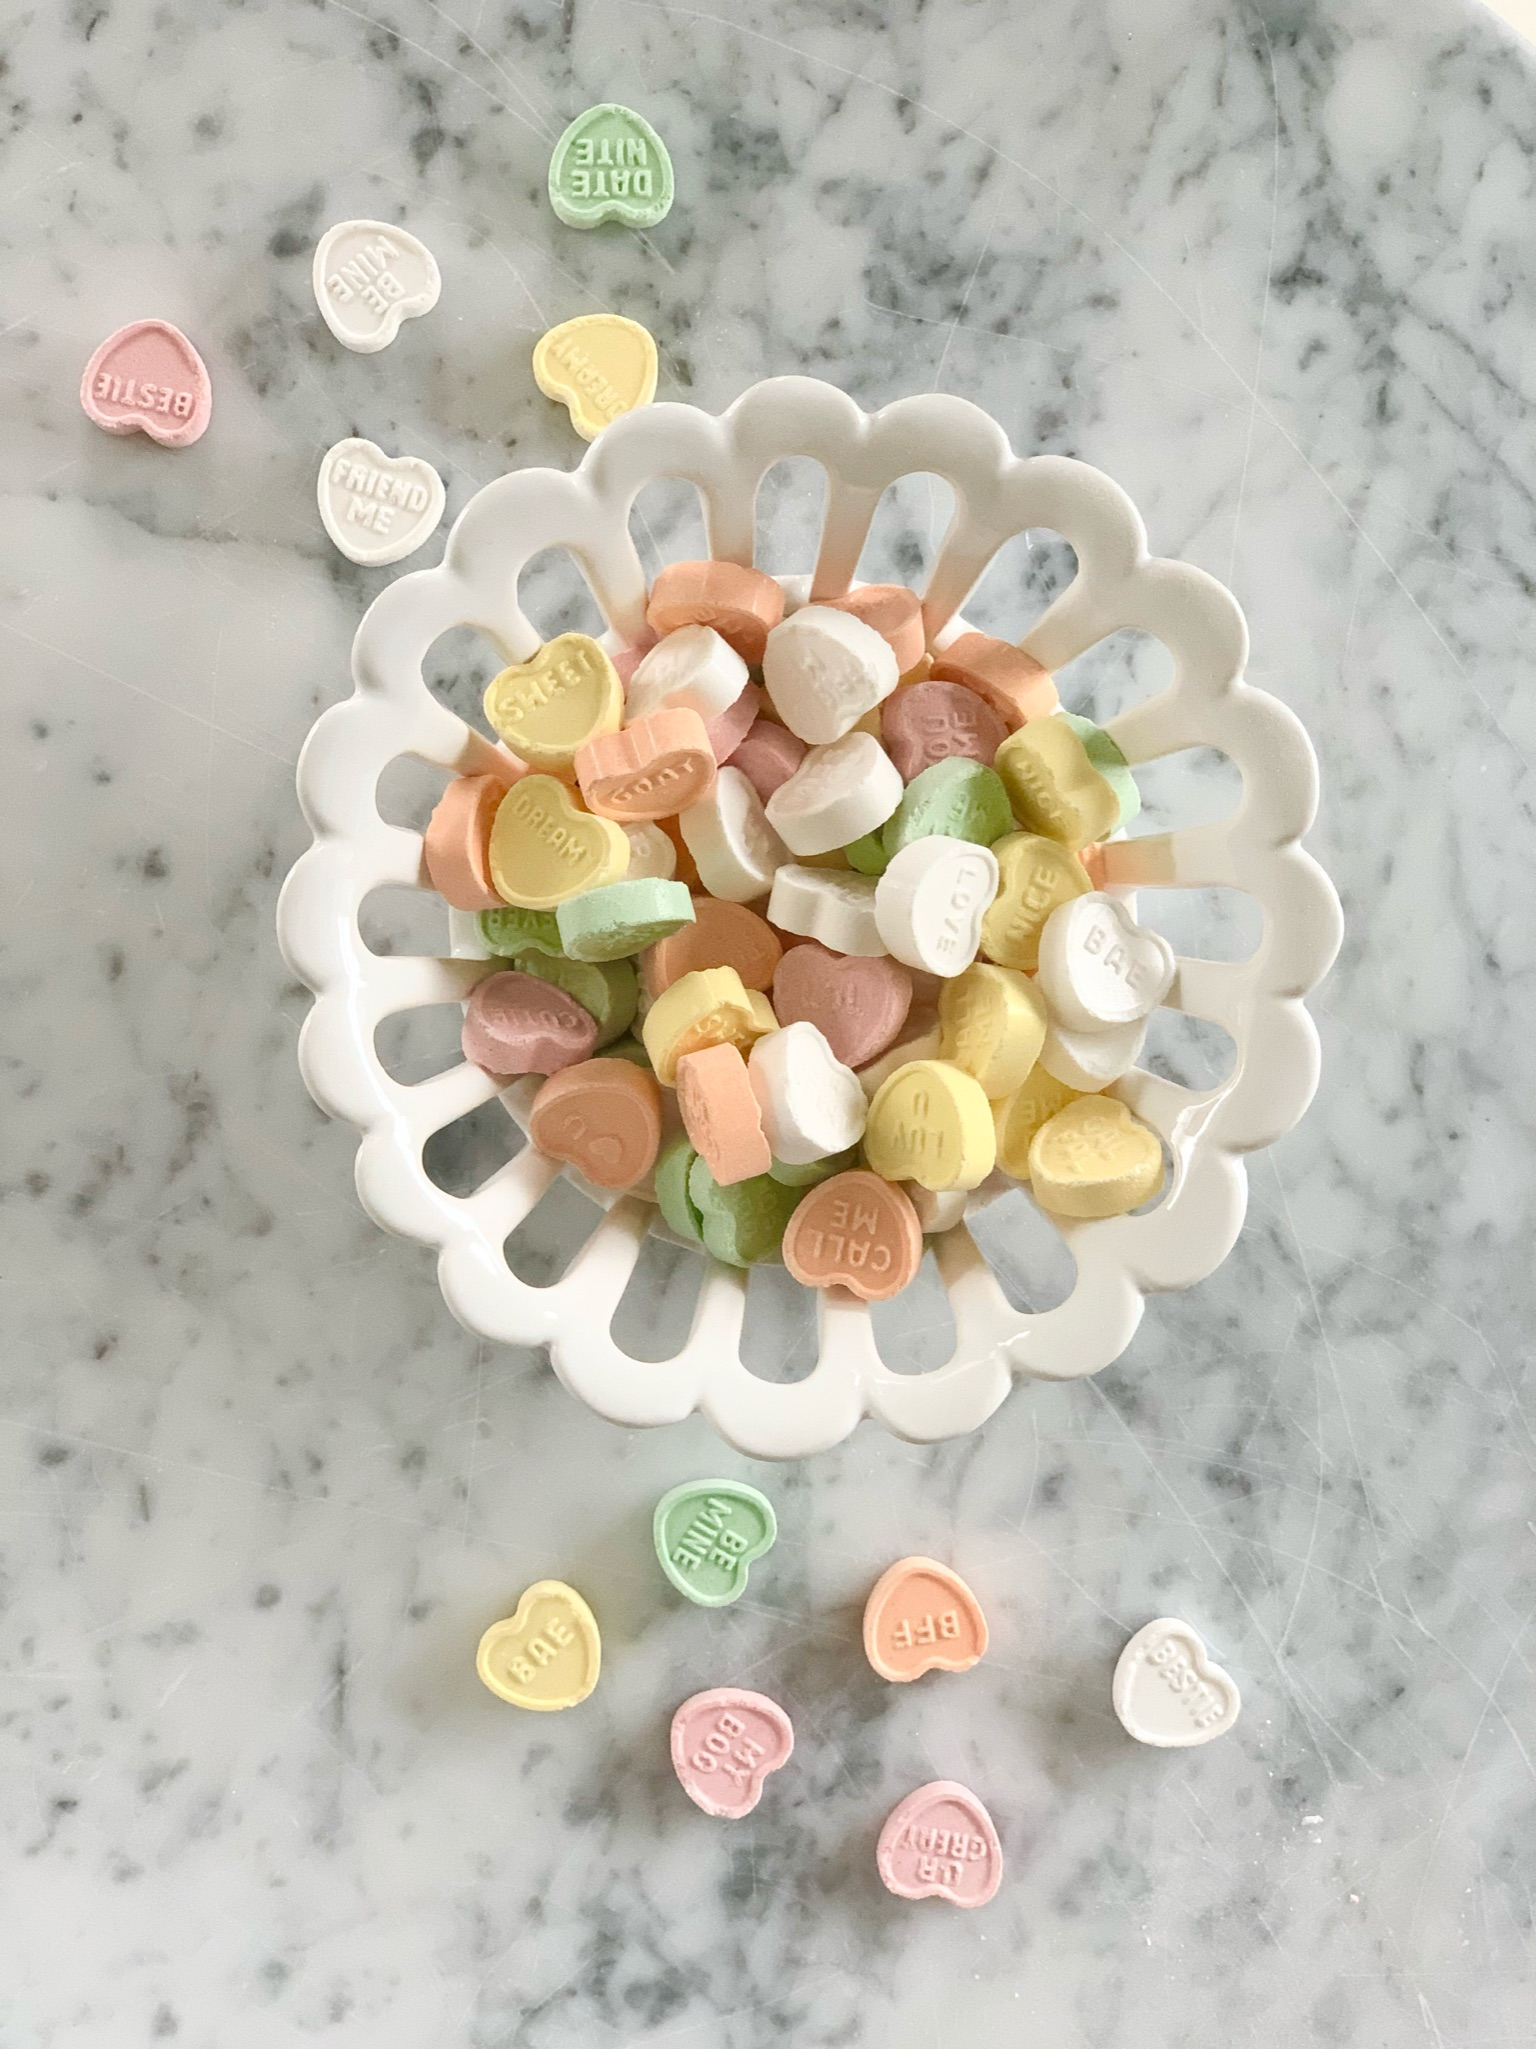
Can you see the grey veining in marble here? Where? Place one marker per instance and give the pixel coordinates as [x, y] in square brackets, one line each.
[1273, 266]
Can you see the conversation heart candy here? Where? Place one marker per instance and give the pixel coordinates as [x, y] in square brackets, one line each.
[993, 1024]
[896, 614]
[603, 1117]
[940, 1841]
[921, 1617]
[1095, 1159]
[1103, 751]
[517, 1023]
[545, 1656]
[674, 1164]
[545, 848]
[837, 909]
[931, 1123]
[1034, 876]
[368, 277]
[1054, 788]
[547, 709]
[810, 1172]
[610, 165]
[652, 856]
[606, 989]
[743, 1225]
[1002, 675]
[855, 1231]
[937, 721]
[729, 728]
[377, 508]
[708, 1534]
[721, 1114]
[768, 756]
[722, 935]
[1089, 1061]
[739, 604]
[735, 849]
[867, 854]
[707, 1007]
[824, 670]
[655, 767]
[724, 1745]
[1017, 1117]
[597, 366]
[148, 379]
[811, 1104]
[938, 1209]
[621, 918]
[931, 902]
[1169, 1691]
[509, 930]
[692, 669]
[1099, 967]
[958, 797]
[837, 793]
[918, 1039]
[857, 1003]
[457, 843]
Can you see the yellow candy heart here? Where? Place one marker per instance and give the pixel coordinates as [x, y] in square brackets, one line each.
[708, 1007]
[547, 1655]
[1018, 1117]
[544, 847]
[931, 1122]
[1034, 876]
[1053, 787]
[993, 1025]
[598, 366]
[1094, 1159]
[548, 708]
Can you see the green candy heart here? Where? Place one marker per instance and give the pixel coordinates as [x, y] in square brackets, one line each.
[629, 1049]
[510, 929]
[744, 1224]
[607, 988]
[867, 855]
[672, 1197]
[708, 1533]
[622, 918]
[610, 165]
[1106, 757]
[818, 1170]
[958, 798]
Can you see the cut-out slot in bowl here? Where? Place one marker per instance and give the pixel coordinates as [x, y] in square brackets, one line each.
[1153, 648]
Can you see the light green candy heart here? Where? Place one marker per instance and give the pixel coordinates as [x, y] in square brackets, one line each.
[607, 988]
[818, 1170]
[631, 1050]
[622, 917]
[867, 855]
[610, 165]
[509, 930]
[744, 1224]
[957, 798]
[707, 1533]
[671, 1184]
[1106, 757]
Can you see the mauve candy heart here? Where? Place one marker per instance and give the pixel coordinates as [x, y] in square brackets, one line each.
[727, 732]
[768, 757]
[929, 722]
[148, 379]
[724, 1744]
[518, 1024]
[858, 1003]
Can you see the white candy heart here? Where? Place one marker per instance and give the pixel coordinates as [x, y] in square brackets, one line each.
[1099, 967]
[377, 507]
[938, 1209]
[828, 904]
[1091, 1060]
[836, 795]
[1169, 1691]
[930, 901]
[692, 669]
[824, 670]
[812, 1105]
[368, 277]
[652, 856]
[734, 848]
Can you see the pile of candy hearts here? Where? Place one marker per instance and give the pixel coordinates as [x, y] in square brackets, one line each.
[800, 925]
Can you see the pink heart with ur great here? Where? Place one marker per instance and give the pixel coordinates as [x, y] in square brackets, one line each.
[148, 379]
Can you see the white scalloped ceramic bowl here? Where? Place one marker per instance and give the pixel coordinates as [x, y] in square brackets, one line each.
[1258, 1001]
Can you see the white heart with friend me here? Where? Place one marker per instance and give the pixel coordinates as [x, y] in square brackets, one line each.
[377, 507]
[1099, 967]
[1169, 1691]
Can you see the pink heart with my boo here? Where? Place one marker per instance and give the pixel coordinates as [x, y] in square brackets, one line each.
[724, 1744]
[148, 379]
[857, 1003]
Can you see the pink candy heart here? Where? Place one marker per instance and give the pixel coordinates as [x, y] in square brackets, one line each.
[858, 1004]
[727, 732]
[940, 1840]
[724, 1744]
[517, 1024]
[931, 721]
[148, 379]
[768, 757]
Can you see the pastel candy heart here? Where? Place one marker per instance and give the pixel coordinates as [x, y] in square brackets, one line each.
[1099, 967]
[622, 918]
[1095, 1159]
[824, 670]
[1088, 1061]
[940, 1842]
[993, 1022]
[674, 1164]
[730, 728]
[598, 366]
[1034, 876]
[706, 1007]
[931, 1122]
[377, 508]
[896, 614]
[547, 1655]
[545, 848]
[607, 990]
[739, 604]
[931, 722]
[832, 906]
[1010, 681]
[603, 1117]
[855, 1231]
[148, 379]
[836, 794]
[1169, 1691]
[652, 856]
[510, 930]
[812, 1105]
[1019, 1116]
[368, 277]
[812, 1171]
[724, 1745]
[735, 849]
[653, 768]
[866, 855]
[548, 708]
[958, 797]
[921, 1617]
[456, 846]
[768, 756]
[722, 935]
[721, 1114]
[744, 1224]
[1053, 784]
[708, 1534]
[610, 165]
[931, 902]
[516, 1024]
[857, 1003]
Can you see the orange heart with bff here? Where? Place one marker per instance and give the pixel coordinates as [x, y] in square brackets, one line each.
[921, 1617]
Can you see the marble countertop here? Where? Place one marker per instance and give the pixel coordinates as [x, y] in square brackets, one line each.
[1272, 266]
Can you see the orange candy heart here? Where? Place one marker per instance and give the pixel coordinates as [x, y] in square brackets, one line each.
[652, 769]
[855, 1231]
[722, 935]
[457, 843]
[921, 1617]
[720, 1114]
[604, 1117]
[1012, 682]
